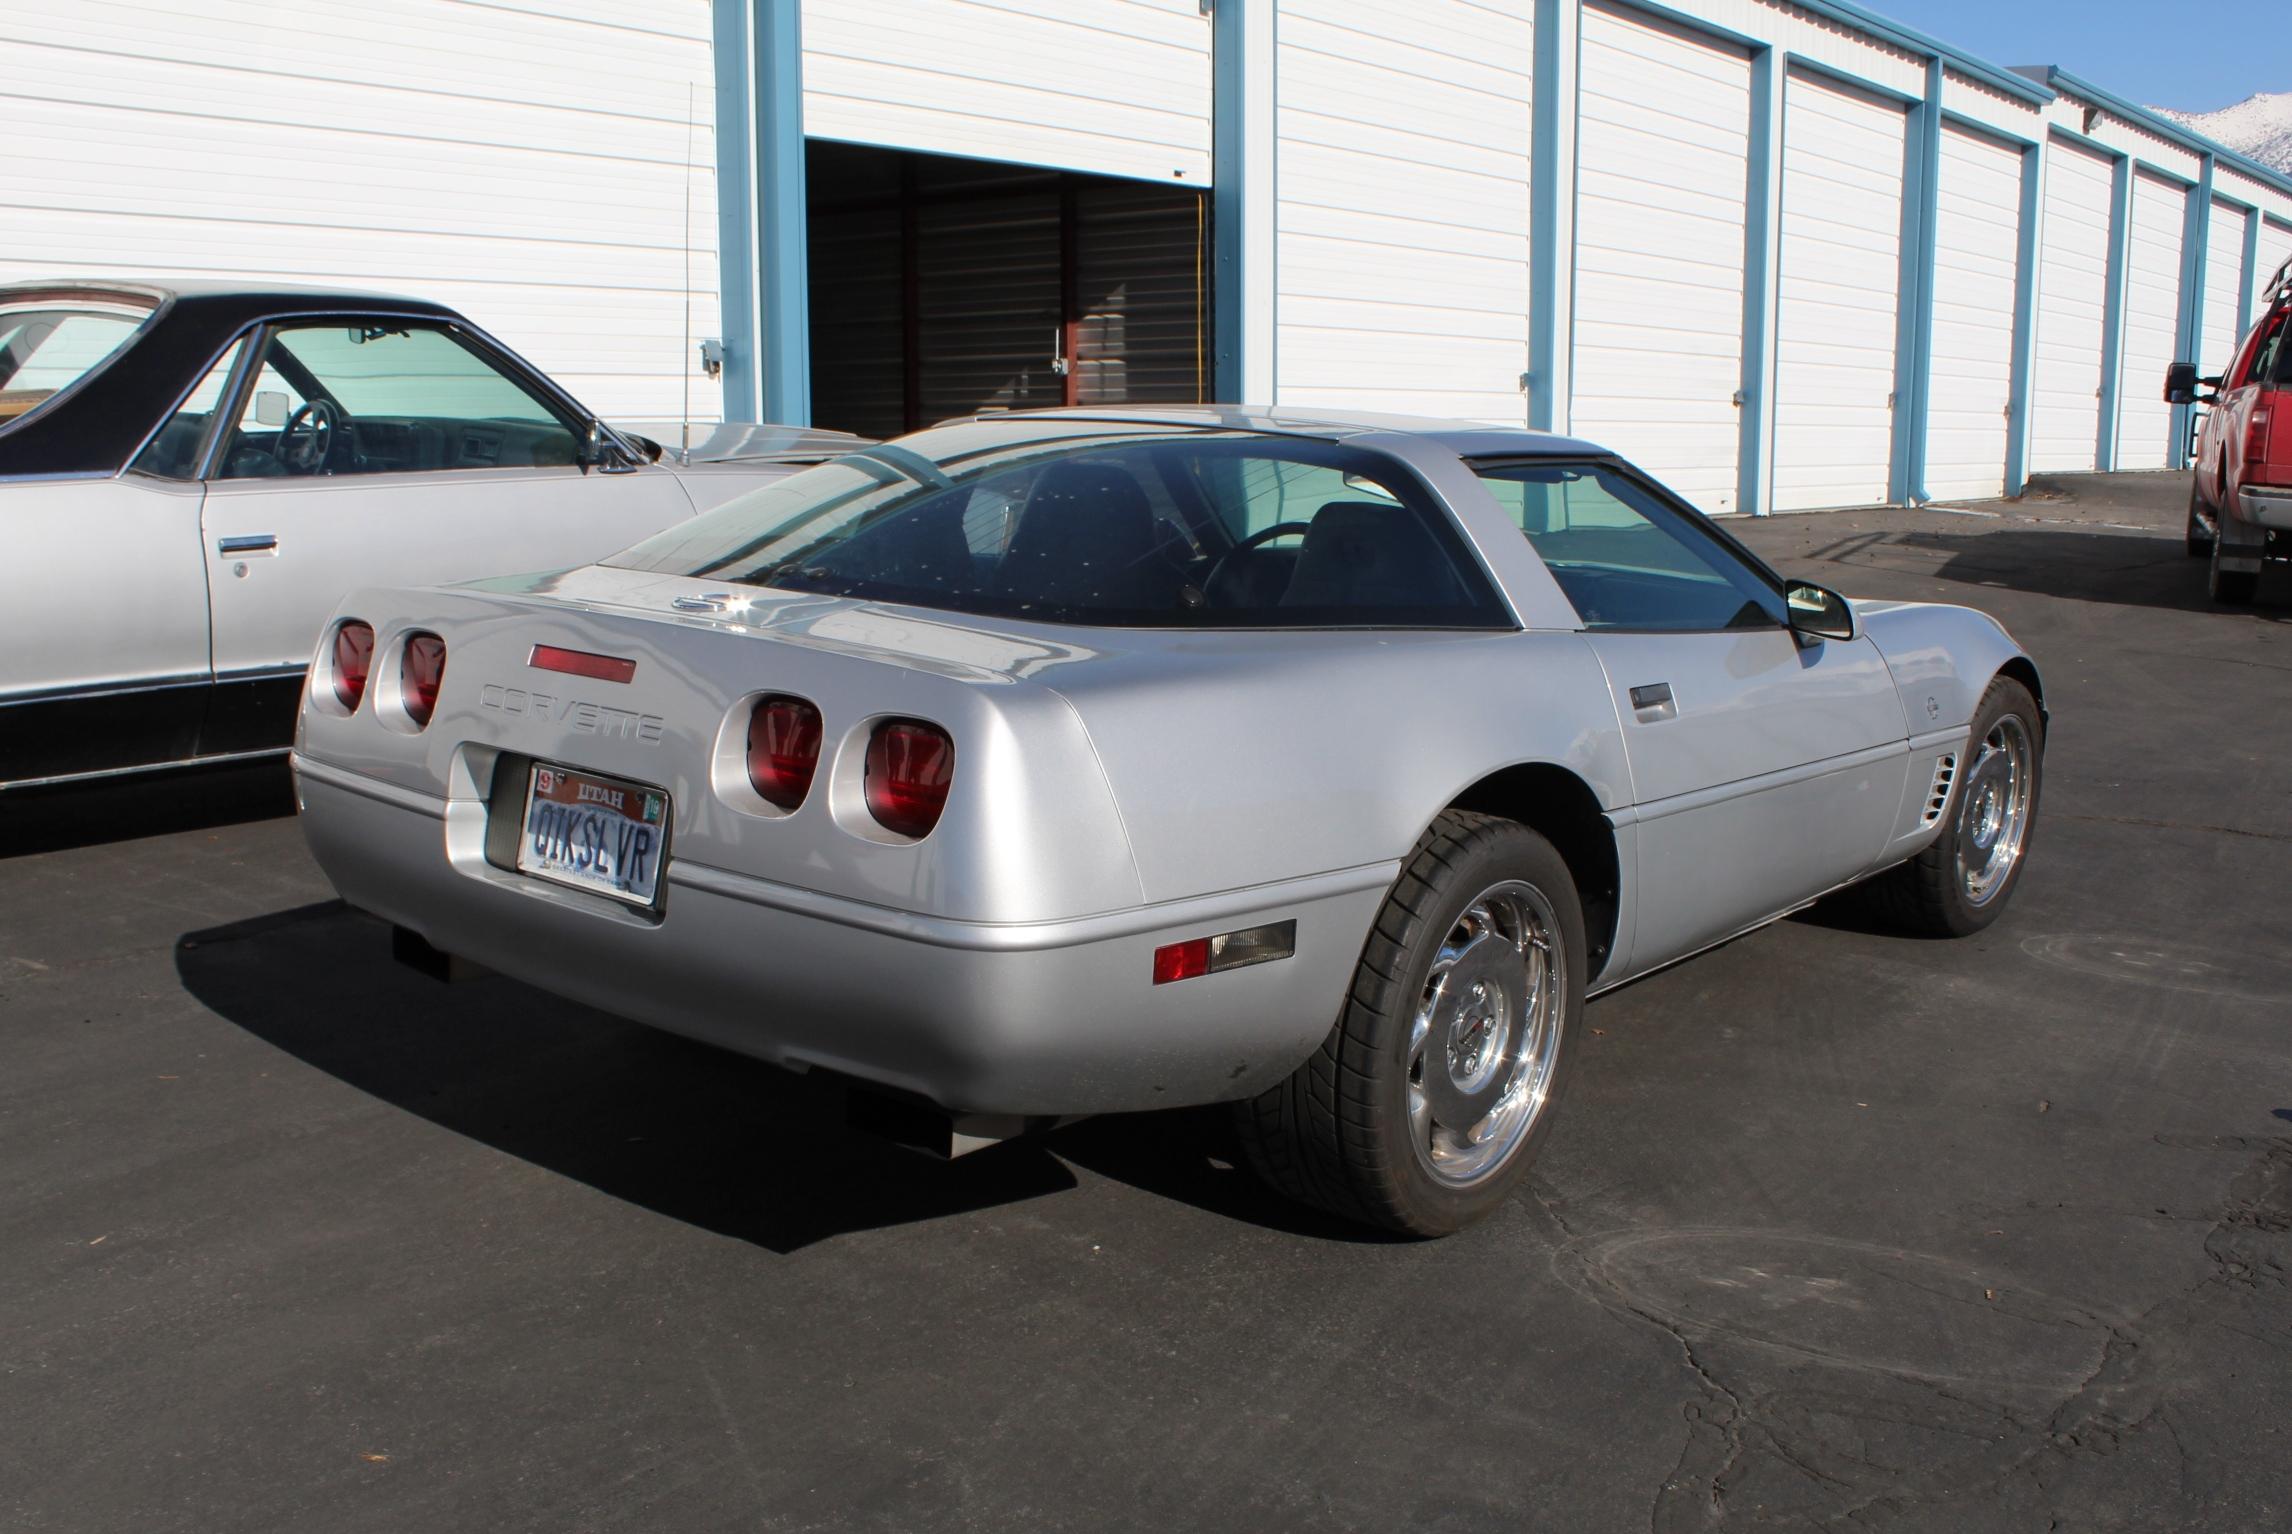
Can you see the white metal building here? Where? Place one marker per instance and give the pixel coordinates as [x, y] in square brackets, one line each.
[1788, 255]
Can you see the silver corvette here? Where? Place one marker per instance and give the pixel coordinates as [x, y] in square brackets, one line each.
[1053, 764]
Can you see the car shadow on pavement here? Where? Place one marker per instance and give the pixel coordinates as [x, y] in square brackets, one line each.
[2127, 569]
[154, 804]
[695, 1133]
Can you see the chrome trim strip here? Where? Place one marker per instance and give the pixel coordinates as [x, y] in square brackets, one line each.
[358, 783]
[1696, 799]
[105, 690]
[1022, 937]
[221, 759]
[1955, 735]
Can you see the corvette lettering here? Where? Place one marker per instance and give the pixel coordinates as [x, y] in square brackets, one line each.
[586, 718]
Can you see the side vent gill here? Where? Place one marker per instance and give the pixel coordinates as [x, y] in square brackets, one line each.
[1945, 773]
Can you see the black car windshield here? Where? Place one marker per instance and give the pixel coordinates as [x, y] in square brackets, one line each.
[1104, 523]
[49, 344]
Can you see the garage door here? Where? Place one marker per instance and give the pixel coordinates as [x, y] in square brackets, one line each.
[2275, 250]
[2072, 308]
[1977, 239]
[1121, 87]
[2152, 324]
[1662, 144]
[1840, 269]
[2223, 287]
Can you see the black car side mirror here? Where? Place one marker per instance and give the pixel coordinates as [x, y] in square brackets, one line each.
[1817, 612]
[2180, 384]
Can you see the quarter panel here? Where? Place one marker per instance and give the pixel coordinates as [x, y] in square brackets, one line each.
[1942, 657]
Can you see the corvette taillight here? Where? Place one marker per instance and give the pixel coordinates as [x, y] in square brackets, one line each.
[909, 765]
[420, 670]
[353, 658]
[783, 750]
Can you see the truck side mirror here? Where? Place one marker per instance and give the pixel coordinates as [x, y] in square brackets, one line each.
[2180, 384]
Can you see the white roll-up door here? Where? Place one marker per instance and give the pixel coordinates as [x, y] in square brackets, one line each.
[2275, 250]
[1662, 145]
[1121, 87]
[1840, 272]
[2152, 323]
[550, 175]
[2223, 287]
[1977, 245]
[1401, 249]
[2072, 309]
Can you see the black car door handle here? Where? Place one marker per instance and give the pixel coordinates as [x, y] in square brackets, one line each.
[1653, 702]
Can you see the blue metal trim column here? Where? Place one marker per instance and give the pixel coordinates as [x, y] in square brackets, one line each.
[1550, 379]
[1914, 305]
[735, 210]
[2023, 398]
[1242, 148]
[2252, 226]
[2113, 312]
[783, 305]
[1762, 271]
[2196, 236]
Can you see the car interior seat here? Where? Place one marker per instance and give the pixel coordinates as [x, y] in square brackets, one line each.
[1371, 554]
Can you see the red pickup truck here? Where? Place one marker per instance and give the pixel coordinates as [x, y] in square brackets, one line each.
[2240, 499]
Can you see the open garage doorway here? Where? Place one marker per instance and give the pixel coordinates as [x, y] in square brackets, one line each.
[942, 286]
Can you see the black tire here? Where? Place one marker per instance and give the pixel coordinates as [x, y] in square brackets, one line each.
[2230, 588]
[1337, 1134]
[1928, 896]
[2199, 536]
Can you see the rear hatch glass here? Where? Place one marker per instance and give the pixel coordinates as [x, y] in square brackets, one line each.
[1103, 523]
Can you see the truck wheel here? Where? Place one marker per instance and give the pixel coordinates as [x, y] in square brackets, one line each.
[2231, 588]
[2199, 537]
[1959, 884]
[1424, 1107]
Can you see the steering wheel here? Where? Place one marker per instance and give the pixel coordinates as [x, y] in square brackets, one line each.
[317, 420]
[1263, 535]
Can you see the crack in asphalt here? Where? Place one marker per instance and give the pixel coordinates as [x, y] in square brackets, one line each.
[2124, 1399]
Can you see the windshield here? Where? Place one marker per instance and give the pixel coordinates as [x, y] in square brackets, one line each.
[1102, 523]
[46, 346]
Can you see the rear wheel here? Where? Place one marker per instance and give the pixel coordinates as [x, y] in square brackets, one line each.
[1424, 1107]
[1961, 883]
[2231, 588]
[2199, 536]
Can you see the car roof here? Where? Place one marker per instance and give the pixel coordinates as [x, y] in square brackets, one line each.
[1467, 439]
[210, 291]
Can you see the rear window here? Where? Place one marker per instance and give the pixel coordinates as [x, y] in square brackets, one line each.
[1101, 523]
[47, 346]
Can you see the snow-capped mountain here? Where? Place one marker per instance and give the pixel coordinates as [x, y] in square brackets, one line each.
[2260, 126]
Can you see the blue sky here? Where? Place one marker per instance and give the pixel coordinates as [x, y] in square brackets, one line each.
[2196, 58]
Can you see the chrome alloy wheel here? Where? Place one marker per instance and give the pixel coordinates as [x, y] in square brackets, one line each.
[1993, 810]
[1486, 1037]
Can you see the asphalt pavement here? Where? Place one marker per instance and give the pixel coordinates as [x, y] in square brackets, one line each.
[1838, 1229]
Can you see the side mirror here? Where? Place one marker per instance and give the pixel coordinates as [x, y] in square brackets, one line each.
[2180, 384]
[271, 407]
[1817, 612]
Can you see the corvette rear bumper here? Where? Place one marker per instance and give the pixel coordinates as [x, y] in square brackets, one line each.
[1039, 1019]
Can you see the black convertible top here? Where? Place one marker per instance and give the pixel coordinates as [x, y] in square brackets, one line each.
[96, 424]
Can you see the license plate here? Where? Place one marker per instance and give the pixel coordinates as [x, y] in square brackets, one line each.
[593, 833]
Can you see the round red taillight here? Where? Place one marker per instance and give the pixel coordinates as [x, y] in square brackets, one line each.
[909, 765]
[783, 750]
[353, 658]
[420, 670]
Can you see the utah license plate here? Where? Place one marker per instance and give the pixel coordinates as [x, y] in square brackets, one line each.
[594, 833]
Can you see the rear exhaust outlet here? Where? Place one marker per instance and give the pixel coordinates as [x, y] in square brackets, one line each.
[933, 1131]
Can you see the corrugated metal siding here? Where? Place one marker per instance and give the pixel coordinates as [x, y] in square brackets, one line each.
[1402, 219]
[528, 165]
[1662, 169]
[1841, 272]
[2275, 249]
[2152, 324]
[1121, 87]
[1976, 244]
[2223, 282]
[2072, 305]
[1141, 295]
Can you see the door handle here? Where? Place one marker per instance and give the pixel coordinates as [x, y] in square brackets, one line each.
[1652, 702]
[252, 543]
